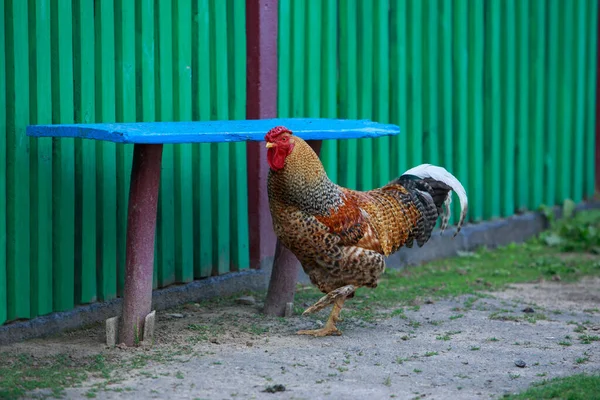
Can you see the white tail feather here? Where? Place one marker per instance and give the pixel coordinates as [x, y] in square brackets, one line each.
[442, 175]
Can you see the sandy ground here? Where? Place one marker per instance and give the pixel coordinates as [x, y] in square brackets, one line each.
[463, 348]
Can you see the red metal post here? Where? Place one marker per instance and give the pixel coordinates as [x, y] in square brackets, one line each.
[141, 227]
[261, 103]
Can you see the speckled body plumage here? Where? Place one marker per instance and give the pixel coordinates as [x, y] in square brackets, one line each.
[341, 236]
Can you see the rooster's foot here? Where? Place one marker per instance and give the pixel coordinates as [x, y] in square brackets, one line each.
[325, 331]
[329, 298]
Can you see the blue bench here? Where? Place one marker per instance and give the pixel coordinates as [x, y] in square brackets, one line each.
[148, 138]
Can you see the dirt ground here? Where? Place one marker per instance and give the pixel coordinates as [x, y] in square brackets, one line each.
[470, 347]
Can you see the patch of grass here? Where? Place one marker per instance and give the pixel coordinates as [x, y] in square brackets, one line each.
[431, 353]
[475, 348]
[582, 360]
[565, 343]
[22, 373]
[588, 339]
[417, 371]
[457, 316]
[493, 339]
[533, 318]
[388, 381]
[575, 387]
[503, 316]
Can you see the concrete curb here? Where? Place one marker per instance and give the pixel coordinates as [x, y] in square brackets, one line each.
[495, 233]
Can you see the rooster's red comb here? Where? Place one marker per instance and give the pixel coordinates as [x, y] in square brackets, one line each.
[273, 133]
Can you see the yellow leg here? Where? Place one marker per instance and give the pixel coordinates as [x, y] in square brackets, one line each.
[329, 328]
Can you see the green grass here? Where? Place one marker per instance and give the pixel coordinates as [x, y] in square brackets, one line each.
[21, 374]
[576, 387]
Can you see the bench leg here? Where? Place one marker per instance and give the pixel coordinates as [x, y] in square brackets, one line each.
[141, 227]
[285, 271]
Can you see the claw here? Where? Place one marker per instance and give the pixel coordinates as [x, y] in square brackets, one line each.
[325, 331]
[330, 298]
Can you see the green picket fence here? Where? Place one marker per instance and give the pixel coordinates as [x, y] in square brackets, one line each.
[63, 203]
[502, 93]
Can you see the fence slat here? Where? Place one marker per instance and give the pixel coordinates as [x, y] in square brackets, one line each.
[329, 56]
[106, 152]
[447, 84]
[3, 171]
[240, 249]
[493, 107]
[565, 105]
[17, 160]
[126, 112]
[63, 158]
[460, 164]
[415, 66]
[313, 60]
[381, 94]
[399, 84]
[298, 57]
[184, 225]
[577, 132]
[41, 159]
[202, 160]
[508, 107]
[165, 107]
[476, 99]
[522, 133]
[590, 118]
[221, 152]
[552, 77]
[85, 154]
[347, 167]
[365, 91]
[284, 62]
[537, 101]
[430, 94]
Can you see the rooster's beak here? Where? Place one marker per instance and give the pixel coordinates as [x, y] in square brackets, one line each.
[269, 145]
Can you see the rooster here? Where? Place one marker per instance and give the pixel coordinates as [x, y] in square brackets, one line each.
[341, 236]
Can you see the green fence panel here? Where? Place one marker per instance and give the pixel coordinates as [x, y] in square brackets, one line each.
[17, 160]
[63, 202]
[500, 93]
[537, 101]
[490, 90]
[85, 153]
[3, 129]
[522, 105]
[41, 160]
[475, 113]
[551, 113]
[590, 99]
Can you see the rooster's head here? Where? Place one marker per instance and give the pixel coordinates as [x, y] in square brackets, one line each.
[280, 144]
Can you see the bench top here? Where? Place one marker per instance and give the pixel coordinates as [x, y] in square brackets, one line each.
[215, 131]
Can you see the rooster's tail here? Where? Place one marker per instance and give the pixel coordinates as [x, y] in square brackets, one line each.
[433, 184]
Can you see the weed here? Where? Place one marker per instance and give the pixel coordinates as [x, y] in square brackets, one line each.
[457, 316]
[475, 348]
[588, 339]
[564, 343]
[431, 353]
[388, 381]
[493, 339]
